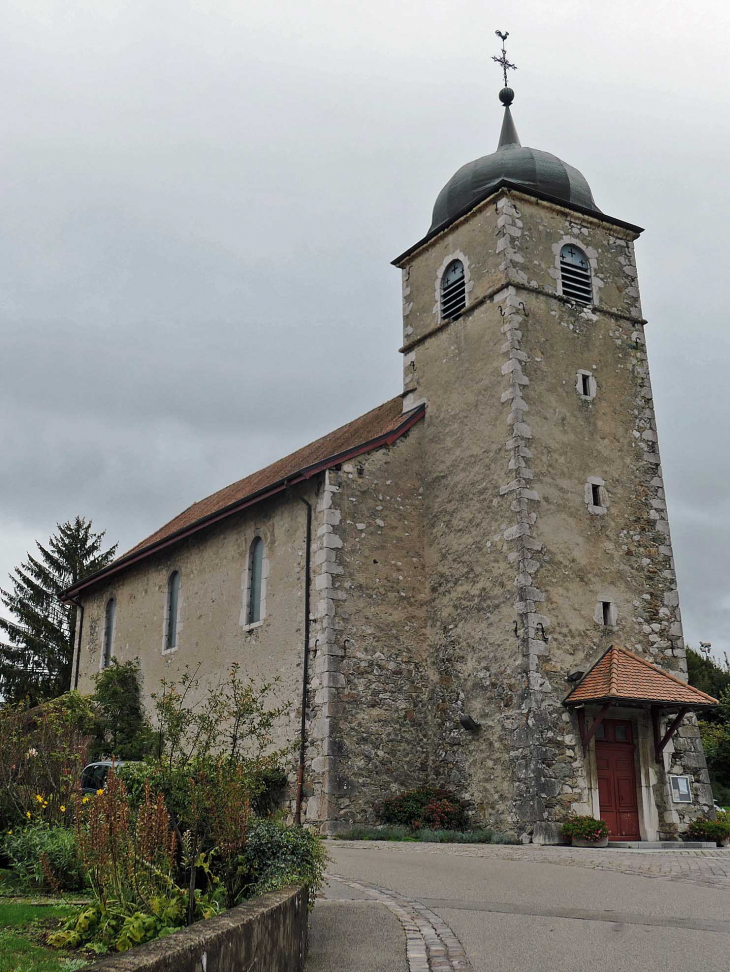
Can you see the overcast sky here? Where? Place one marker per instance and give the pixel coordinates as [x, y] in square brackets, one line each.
[200, 201]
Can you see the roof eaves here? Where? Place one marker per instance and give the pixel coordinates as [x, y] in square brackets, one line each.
[301, 475]
[517, 187]
[613, 694]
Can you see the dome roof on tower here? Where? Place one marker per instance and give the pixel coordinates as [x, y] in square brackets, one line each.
[538, 172]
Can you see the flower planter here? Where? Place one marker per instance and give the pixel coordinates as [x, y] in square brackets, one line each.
[582, 842]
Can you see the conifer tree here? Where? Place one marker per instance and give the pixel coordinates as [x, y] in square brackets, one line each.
[36, 656]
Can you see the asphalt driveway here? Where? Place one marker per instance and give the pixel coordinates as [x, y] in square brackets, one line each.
[418, 907]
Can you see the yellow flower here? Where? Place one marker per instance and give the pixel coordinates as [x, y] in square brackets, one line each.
[39, 798]
[10, 831]
[62, 808]
[27, 813]
[85, 799]
[99, 792]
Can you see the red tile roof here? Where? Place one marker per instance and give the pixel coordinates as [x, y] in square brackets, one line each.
[381, 426]
[621, 676]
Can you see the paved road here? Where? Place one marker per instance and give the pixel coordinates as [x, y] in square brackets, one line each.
[435, 908]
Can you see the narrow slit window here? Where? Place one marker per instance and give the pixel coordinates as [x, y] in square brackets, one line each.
[585, 382]
[255, 575]
[453, 290]
[575, 274]
[173, 600]
[108, 645]
[596, 495]
[606, 606]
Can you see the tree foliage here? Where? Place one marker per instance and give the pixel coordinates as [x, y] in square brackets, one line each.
[122, 729]
[36, 659]
[709, 676]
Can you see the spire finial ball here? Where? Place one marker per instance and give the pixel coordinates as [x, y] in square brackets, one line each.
[506, 96]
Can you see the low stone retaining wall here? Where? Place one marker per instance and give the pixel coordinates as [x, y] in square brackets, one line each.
[265, 935]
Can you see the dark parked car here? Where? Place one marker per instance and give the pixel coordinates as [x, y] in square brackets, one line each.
[93, 776]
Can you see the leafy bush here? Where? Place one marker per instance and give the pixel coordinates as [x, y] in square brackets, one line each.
[45, 856]
[121, 728]
[42, 754]
[427, 806]
[131, 868]
[276, 856]
[273, 783]
[587, 828]
[386, 832]
[709, 830]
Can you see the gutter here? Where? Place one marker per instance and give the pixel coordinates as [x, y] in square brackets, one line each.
[305, 666]
[387, 438]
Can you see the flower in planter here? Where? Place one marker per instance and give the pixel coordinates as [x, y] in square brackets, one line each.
[585, 828]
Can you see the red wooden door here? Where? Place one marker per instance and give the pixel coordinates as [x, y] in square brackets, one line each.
[617, 779]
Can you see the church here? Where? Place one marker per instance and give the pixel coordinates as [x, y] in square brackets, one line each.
[472, 585]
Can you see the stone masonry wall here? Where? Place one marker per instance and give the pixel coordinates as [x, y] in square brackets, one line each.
[372, 681]
[456, 368]
[514, 448]
[619, 552]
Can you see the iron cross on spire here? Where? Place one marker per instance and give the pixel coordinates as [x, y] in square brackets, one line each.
[503, 59]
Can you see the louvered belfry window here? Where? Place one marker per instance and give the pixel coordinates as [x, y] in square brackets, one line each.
[453, 291]
[575, 274]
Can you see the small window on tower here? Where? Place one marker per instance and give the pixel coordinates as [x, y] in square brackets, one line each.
[596, 495]
[575, 274]
[585, 385]
[453, 291]
[606, 611]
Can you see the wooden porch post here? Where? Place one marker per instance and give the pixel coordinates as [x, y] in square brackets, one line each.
[660, 745]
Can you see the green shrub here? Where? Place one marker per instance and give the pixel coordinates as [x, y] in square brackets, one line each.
[480, 836]
[276, 856]
[122, 728]
[45, 856]
[432, 807]
[710, 830]
[368, 832]
[425, 835]
[273, 783]
[587, 828]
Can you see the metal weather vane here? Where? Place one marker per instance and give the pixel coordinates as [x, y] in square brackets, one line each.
[505, 64]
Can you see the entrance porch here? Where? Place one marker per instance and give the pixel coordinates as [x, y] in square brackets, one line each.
[628, 712]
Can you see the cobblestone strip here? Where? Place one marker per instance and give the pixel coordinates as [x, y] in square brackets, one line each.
[431, 946]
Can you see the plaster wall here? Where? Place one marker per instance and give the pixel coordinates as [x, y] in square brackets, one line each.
[212, 634]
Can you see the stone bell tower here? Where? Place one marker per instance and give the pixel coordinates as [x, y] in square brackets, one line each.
[547, 538]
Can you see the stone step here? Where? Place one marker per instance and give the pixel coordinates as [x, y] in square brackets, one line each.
[675, 845]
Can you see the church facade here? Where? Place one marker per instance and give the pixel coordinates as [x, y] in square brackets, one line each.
[472, 585]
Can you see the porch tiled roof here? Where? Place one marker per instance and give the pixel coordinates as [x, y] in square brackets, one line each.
[621, 676]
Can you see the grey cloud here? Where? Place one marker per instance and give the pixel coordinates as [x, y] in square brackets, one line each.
[200, 201]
